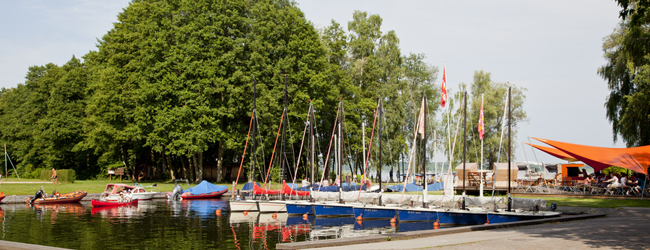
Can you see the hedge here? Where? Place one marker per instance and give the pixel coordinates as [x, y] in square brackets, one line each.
[63, 175]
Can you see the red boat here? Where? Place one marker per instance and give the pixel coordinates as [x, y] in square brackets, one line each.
[98, 203]
[188, 195]
[2, 195]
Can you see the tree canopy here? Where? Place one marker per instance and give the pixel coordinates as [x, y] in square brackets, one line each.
[169, 91]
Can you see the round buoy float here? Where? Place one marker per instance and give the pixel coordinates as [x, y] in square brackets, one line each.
[245, 212]
[305, 216]
[393, 220]
[487, 222]
[359, 218]
[274, 216]
[436, 225]
[218, 212]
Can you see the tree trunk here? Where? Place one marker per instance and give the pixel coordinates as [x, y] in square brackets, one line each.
[190, 171]
[198, 172]
[200, 166]
[133, 172]
[220, 163]
[184, 168]
[170, 166]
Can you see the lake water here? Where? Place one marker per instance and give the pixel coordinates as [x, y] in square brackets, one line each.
[188, 224]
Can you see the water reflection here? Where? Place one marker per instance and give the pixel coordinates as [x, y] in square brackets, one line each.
[183, 224]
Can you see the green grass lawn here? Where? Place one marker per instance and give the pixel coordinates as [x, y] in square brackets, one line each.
[90, 186]
[595, 202]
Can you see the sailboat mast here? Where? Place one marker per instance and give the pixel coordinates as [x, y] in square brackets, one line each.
[284, 163]
[509, 149]
[424, 154]
[340, 150]
[254, 149]
[381, 116]
[311, 139]
[464, 147]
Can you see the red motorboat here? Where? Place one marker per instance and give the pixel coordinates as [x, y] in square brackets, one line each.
[98, 203]
[188, 195]
[2, 195]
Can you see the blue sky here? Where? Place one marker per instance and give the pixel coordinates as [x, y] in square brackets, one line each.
[552, 48]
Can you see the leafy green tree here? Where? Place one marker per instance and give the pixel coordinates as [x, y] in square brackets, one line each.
[627, 51]
[495, 97]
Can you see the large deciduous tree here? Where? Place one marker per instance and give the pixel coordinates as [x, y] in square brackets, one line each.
[627, 72]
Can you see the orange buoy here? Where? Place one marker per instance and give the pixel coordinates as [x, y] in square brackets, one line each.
[305, 216]
[218, 212]
[487, 222]
[393, 220]
[393, 224]
[359, 218]
[274, 216]
[245, 212]
[436, 225]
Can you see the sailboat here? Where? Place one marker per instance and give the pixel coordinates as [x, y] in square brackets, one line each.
[457, 216]
[345, 202]
[274, 206]
[235, 203]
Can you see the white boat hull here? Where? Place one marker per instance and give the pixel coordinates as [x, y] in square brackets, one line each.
[241, 206]
[271, 206]
[139, 196]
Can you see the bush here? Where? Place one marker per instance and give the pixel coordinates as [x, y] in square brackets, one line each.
[63, 175]
[33, 174]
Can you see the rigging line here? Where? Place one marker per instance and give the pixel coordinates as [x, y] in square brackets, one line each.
[503, 123]
[261, 142]
[293, 150]
[365, 168]
[320, 153]
[273, 154]
[242, 158]
[300, 151]
[451, 158]
[329, 148]
[349, 148]
[408, 169]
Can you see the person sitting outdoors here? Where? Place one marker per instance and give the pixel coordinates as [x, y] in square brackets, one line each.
[602, 180]
[305, 183]
[589, 181]
[613, 181]
[326, 183]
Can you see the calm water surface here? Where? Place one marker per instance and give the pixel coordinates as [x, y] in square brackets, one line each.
[188, 224]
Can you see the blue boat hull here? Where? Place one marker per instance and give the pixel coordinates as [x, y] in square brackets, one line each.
[332, 210]
[375, 213]
[462, 218]
[299, 208]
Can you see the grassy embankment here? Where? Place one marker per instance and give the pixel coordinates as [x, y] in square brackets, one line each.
[24, 187]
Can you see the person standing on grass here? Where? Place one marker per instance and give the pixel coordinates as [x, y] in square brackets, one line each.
[54, 177]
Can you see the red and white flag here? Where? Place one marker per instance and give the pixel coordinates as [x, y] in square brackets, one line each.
[444, 87]
[421, 119]
[481, 122]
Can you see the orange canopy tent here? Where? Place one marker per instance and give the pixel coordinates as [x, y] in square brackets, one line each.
[636, 159]
[554, 152]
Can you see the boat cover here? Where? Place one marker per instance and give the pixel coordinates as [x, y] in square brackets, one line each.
[248, 187]
[436, 186]
[410, 187]
[347, 196]
[332, 188]
[287, 190]
[259, 190]
[205, 187]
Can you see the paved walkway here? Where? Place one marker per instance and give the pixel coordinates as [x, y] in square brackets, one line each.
[625, 228]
